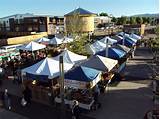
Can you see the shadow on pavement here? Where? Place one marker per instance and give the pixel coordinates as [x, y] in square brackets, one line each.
[40, 111]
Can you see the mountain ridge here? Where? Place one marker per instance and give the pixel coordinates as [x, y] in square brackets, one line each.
[154, 15]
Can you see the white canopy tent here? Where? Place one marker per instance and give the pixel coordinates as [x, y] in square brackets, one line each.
[47, 67]
[43, 40]
[123, 34]
[32, 46]
[56, 41]
[70, 57]
[137, 37]
[100, 63]
[110, 40]
[96, 47]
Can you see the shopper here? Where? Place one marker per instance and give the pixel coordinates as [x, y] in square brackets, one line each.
[27, 93]
[6, 100]
[75, 110]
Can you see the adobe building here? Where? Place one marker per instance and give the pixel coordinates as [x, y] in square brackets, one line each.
[79, 20]
[138, 29]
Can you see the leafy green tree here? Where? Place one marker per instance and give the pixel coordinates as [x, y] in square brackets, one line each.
[145, 21]
[78, 46]
[148, 20]
[114, 20]
[122, 20]
[132, 20]
[103, 14]
[139, 20]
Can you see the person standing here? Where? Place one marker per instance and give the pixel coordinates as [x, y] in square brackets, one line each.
[27, 93]
[75, 110]
[6, 100]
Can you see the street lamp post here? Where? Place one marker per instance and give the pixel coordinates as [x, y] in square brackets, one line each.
[61, 68]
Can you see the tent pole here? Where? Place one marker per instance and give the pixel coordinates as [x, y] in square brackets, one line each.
[22, 80]
[123, 38]
[61, 68]
[107, 47]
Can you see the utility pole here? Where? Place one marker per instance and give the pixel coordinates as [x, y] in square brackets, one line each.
[61, 68]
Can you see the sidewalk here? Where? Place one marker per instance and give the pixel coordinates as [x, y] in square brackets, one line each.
[35, 110]
[125, 101]
[138, 68]
[4, 114]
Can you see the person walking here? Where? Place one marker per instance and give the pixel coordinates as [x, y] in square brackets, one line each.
[6, 100]
[75, 110]
[27, 93]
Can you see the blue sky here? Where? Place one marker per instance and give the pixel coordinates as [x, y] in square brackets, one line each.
[61, 7]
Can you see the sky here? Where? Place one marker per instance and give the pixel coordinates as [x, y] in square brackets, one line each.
[60, 7]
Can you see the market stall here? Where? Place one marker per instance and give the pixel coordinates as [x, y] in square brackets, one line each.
[79, 83]
[113, 53]
[106, 65]
[40, 78]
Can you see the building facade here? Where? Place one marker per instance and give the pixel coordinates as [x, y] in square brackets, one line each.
[22, 23]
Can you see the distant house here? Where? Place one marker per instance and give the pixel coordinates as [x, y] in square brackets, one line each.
[79, 20]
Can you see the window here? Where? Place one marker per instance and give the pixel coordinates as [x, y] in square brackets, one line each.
[29, 28]
[35, 20]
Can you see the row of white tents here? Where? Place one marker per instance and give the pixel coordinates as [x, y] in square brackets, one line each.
[105, 42]
[55, 40]
[50, 66]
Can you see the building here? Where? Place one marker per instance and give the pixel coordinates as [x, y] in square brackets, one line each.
[5, 24]
[102, 20]
[138, 29]
[79, 20]
[21, 24]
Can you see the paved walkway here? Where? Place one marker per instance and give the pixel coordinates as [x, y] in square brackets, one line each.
[125, 101]
[35, 110]
[4, 114]
[139, 67]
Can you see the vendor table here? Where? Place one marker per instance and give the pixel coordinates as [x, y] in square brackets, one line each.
[70, 102]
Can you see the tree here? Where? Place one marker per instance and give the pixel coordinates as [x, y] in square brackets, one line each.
[114, 20]
[139, 20]
[132, 20]
[103, 14]
[122, 20]
[145, 21]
